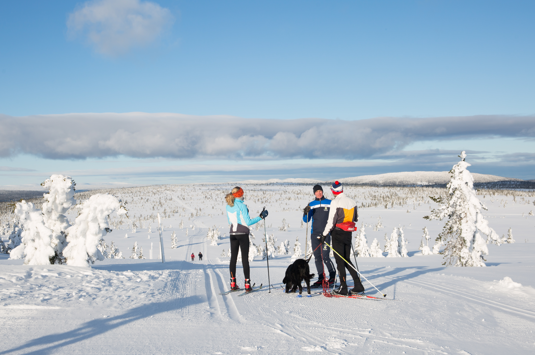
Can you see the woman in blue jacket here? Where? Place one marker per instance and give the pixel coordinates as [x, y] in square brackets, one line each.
[239, 220]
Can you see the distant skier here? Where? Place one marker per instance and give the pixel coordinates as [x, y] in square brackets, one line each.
[340, 224]
[318, 212]
[239, 220]
[192, 257]
[200, 256]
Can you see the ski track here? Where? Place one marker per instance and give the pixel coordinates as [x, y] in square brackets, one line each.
[530, 315]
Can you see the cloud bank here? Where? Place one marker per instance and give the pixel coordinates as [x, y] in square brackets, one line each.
[113, 27]
[145, 135]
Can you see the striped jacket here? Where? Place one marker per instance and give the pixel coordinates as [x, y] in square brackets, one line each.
[343, 209]
[319, 212]
[238, 218]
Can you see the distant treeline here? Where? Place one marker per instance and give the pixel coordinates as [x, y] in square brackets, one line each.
[16, 195]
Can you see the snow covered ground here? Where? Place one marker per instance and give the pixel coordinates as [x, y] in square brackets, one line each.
[144, 306]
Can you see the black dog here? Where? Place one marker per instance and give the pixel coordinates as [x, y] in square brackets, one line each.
[295, 274]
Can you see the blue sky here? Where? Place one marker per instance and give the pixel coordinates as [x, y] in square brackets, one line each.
[273, 60]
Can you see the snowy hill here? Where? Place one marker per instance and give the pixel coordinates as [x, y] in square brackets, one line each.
[279, 181]
[400, 179]
[417, 178]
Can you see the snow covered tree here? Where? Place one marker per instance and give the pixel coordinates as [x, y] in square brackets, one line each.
[283, 248]
[438, 245]
[14, 236]
[424, 246]
[510, 238]
[464, 245]
[135, 251]
[35, 247]
[284, 226]
[375, 249]
[253, 251]
[297, 250]
[103, 247]
[271, 249]
[402, 243]
[391, 244]
[174, 241]
[58, 200]
[114, 252]
[90, 226]
[361, 244]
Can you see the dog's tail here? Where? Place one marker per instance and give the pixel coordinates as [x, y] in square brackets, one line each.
[311, 276]
[285, 280]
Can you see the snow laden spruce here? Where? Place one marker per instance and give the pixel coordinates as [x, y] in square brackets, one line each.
[461, 235]
[47, 237]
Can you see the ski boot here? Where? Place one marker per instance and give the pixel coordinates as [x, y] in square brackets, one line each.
[357, 291]
[233, 285]
[332, 278]
[248, 285]
[318, 283]
[342, 290]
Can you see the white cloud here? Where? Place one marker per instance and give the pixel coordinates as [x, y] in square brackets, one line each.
[145, 135]
[113, 27]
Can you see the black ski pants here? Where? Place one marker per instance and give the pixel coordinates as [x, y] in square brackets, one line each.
[342, 244]
[324, 249]
[239, 242]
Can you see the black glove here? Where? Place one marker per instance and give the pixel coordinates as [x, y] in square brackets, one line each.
[322, 239]
[306, 209]
[263, 214]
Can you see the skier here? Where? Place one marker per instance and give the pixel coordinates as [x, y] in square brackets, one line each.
[192, 257]
[340, 224]
[318, 212]
[200, 256]
[239, 220]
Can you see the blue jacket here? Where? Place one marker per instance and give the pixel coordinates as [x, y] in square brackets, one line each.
[319, 214]
[238, 218]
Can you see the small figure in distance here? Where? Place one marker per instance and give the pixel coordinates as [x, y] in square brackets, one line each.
[200, 256]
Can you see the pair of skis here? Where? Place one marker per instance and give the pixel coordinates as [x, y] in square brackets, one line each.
[253, 288]
[355, 296]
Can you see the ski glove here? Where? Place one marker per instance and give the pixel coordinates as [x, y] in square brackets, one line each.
[306, 209]
[322, 239]
[263, 214]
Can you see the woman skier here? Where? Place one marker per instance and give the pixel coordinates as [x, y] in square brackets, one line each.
[239, 220]
[192, 257]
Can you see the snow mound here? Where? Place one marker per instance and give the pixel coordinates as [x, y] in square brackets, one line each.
[508, 283]
[67, 287]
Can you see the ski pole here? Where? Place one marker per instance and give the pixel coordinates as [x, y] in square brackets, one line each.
[358, 272]
[267, 255]
[306, 239]
[355, 256]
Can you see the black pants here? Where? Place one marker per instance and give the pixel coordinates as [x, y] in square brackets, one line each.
[342, 244]
[324, 249]
[239, 241]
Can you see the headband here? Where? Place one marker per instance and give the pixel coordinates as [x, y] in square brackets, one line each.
[238, 193]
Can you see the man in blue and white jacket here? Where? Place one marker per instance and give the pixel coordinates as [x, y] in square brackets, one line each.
[318, 212]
